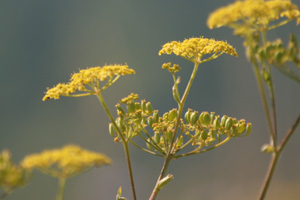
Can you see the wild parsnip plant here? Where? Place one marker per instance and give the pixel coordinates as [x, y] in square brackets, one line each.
[181, 131]
[172, 135]
[252, 19]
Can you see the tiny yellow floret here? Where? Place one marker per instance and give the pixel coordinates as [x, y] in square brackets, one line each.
[88, 77]
[193, 49]
[65, 162]
[129, 98]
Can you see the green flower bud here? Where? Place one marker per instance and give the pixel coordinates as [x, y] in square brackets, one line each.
[150, 121]
[111, 129]
[172, 114]
[155, 116]
[165, 117]
[120, 109]
[131, 107]
[216, 123]
[194, 117]
[187, 116]
[169, 136]
[228, 123]
[223, 120]
[248, 128]
[163, 182]
[149, 108]
[205, 118]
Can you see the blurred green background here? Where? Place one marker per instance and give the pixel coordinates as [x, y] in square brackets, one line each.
[43, 42]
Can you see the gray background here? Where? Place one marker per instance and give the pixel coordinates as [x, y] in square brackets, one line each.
[43, 42]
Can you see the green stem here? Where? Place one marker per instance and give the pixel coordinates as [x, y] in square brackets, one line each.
[169, 155]
[61, 189]
[263, 97]
[124, 142]
[275, 158]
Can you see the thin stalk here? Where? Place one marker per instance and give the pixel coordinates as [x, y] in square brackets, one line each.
[275, 158]
[272, 166]
[124, 142]
[169, 155]
[61, 189]
[263, 97]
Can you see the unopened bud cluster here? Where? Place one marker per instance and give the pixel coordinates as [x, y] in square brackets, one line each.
[196, 129]
[208, 127]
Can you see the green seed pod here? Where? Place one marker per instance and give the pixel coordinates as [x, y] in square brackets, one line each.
[137, 106]
[235, 131]
[212, 134]
[111, 129]
[197, 133]
[169, 136]
[179, 141]
[149, 108]
[204, 135]
[241, 128]
[248, 128]
[150, 121]
[144, 121]
[212, 117]
[172, 114]
[163, 182]
[223, 120]
[149, 146]
[194, 117]
[143, 106]
[216, 123]
[155, 116]
[175, 94]
[228, 123]
[120, 124]
[205, 118]
[156, 138]
[187, 116]
[234, 120]
[131, 107]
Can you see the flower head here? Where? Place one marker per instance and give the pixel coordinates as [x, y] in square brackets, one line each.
[250, 15]
[88, 77]
[11, 175]
[65, 162]
[194, 49]
[129, 98]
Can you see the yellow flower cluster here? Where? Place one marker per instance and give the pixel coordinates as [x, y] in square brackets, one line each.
[193, 49]
[174, 69]
[129, 98]
[65, 162]
[244, 15]
[11, 176]
[91, 77]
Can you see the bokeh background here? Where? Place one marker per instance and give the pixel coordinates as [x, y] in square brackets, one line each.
[43, 42]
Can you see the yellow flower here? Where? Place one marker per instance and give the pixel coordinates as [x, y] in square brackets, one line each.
[129, 98]
[252, 15]
[193, 49]
[65, 162]
[88, 77]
